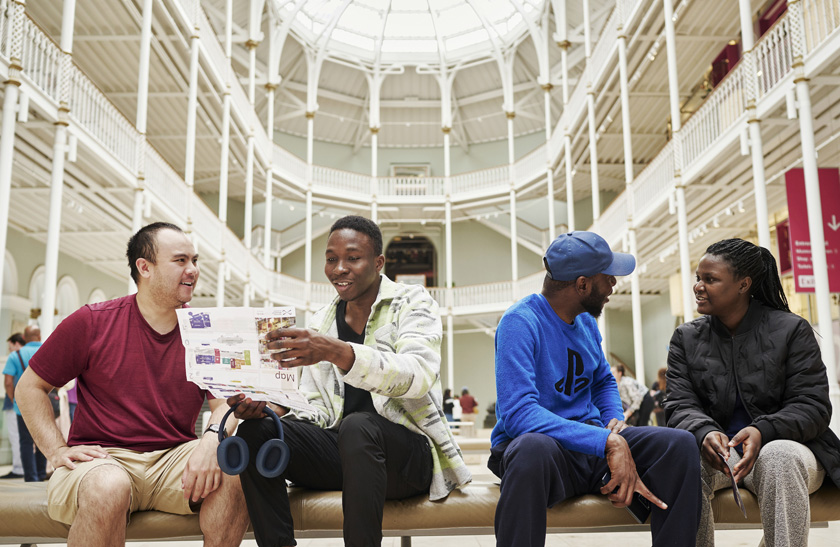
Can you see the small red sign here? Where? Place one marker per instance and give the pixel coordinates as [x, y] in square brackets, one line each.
[800, 238]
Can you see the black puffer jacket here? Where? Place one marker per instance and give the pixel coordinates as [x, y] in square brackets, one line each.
[773, 360]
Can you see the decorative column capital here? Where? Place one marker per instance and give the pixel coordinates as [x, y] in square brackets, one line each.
[510, 115]
[252, 44]
[548, 87]
[374, 130]
[564, 44]
[310, 114]
[446, 130]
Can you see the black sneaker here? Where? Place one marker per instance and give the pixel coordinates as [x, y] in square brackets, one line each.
[11, 475]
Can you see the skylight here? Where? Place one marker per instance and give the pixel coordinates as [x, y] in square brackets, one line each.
[412, 31]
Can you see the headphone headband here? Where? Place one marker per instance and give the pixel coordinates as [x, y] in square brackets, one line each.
[266, 410]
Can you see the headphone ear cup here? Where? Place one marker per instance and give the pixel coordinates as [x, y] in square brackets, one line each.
[232, 455]
[273, 458]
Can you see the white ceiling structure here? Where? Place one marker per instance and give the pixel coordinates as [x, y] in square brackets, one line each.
[414, 43]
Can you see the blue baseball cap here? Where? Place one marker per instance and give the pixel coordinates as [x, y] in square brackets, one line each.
[584, 254]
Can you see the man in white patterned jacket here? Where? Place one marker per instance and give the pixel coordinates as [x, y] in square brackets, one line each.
[379, 432]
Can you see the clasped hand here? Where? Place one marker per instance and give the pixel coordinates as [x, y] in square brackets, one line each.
[717, 442]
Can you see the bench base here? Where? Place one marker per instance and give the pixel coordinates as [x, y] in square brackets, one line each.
[317, 514]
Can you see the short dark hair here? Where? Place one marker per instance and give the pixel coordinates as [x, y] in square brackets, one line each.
[362, 225]
[16, 338]
[552, 286]
[143, 244]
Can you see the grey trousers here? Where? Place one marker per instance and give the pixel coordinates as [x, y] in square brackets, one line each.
[783, 476]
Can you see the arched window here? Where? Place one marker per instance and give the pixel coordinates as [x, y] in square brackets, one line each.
[66, 298]
[36, 293]
[411, 259]
[97, 296]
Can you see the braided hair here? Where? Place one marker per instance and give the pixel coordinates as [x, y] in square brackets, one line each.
[746, 259]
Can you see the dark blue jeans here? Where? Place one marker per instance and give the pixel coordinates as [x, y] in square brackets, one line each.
[537, 472]
[34, 463]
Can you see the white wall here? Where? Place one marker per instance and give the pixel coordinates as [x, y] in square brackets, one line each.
[477, 156]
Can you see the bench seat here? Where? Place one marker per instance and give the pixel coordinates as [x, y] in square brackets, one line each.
[317, 514]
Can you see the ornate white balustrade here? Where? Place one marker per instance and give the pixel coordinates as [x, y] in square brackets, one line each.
[774, 56]
[721, 110]
[822, 17]
[92, 110]
[42, 59]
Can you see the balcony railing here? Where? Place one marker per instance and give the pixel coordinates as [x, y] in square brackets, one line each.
[774, 56]
[42, 59]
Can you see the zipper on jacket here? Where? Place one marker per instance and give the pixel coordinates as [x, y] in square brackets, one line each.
[738, 392]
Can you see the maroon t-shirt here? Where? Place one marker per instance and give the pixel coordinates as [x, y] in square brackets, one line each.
[133, 388]
[467, 403]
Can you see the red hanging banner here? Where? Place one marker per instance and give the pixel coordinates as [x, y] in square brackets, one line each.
[800, 237]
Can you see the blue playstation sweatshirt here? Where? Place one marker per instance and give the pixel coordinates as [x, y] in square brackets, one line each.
[552, 378]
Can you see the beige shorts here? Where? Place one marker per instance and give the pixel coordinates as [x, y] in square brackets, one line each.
[155, 481]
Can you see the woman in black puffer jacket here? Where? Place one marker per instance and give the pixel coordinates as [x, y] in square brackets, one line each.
[748, 381]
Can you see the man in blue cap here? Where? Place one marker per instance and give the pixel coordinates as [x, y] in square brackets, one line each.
[560, 430]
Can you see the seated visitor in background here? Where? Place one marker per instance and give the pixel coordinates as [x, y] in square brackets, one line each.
[635, 399]
[657, 391]
[748, 381]
[378, 431]
[560, 428]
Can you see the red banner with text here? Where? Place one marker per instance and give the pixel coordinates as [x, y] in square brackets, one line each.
[800, 236]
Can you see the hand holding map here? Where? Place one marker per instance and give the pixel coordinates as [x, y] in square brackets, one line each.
[227, 353]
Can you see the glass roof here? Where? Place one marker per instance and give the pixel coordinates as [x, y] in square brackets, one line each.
[411, 31]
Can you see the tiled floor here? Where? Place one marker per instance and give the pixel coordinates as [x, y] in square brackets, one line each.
[819, 537]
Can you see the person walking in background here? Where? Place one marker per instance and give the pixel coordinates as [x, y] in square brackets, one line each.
[15, 342]
[33, 461]
[448, 404]
[748, 382]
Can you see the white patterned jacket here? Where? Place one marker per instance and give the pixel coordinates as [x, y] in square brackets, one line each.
[399, 364]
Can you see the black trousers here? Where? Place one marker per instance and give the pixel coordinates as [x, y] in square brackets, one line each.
[537, 472]
[369, 459]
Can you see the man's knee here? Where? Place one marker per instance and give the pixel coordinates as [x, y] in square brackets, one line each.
[106, 488]
[530, 452]
[356, 432]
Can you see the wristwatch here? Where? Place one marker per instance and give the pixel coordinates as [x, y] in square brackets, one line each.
[212, 427]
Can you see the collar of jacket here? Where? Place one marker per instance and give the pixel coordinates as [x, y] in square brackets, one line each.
[750, 320]
[387, 292]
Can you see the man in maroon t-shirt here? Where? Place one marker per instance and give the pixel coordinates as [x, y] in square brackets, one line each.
[132, 444]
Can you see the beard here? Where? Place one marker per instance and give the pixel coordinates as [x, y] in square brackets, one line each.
[594, 303]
